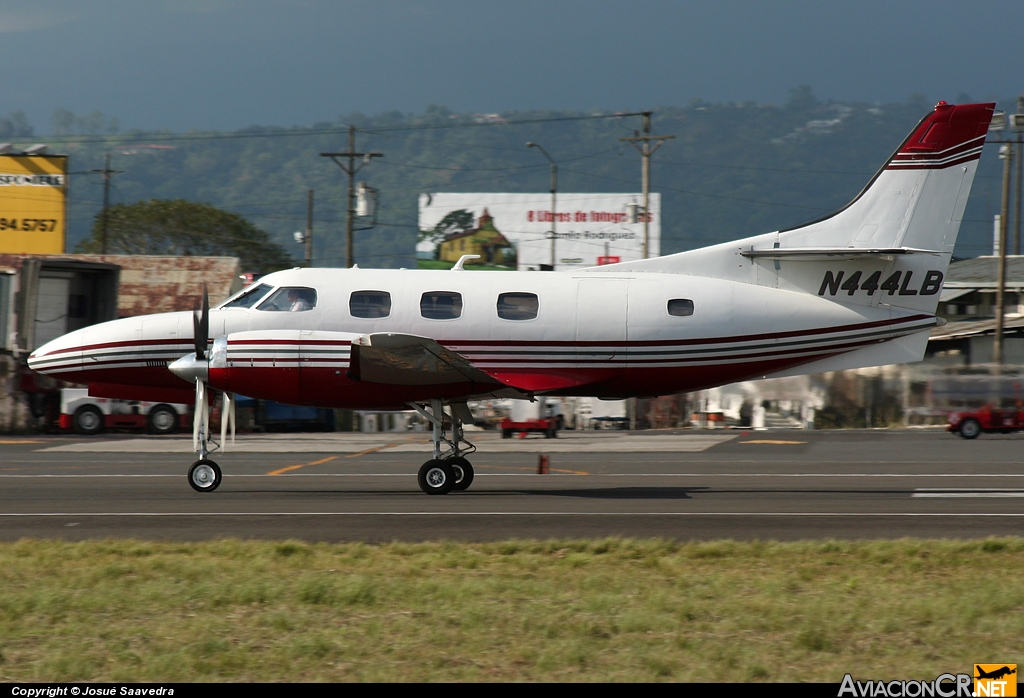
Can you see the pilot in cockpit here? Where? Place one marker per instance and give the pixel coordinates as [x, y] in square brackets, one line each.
[298, 303]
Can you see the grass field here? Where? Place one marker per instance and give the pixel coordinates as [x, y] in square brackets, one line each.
[607, 610]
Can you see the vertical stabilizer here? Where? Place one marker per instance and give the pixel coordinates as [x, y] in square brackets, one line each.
[888, 247]
[917, 199]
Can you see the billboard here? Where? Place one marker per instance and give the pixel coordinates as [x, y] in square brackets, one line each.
[33, 203]
[519, 231]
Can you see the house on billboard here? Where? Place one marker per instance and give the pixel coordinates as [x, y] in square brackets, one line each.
[484, 240]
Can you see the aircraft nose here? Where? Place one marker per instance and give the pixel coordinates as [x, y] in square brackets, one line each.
[61, 355]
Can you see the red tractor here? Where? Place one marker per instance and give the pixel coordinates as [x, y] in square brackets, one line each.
[991, 421]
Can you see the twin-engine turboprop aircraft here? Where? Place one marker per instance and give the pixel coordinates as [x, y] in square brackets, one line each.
[857, 288]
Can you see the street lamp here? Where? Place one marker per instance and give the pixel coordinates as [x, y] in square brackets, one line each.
[554, 192]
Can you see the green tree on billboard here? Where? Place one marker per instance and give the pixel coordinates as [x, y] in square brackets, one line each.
[458, 221]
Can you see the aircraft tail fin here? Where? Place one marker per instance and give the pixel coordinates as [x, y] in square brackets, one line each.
[891, 245]
[917, 199]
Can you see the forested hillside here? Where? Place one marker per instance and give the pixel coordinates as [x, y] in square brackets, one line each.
[732, 170]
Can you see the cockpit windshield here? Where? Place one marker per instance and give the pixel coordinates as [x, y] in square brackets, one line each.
[291, 298]
[249, 297]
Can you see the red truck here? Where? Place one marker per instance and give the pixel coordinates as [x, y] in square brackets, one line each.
[549, 427]
[991, 421]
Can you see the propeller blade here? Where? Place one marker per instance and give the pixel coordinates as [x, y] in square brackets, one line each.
[201, 326]
[200, 419]
[227, 414]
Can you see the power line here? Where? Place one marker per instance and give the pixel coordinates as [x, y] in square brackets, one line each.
[125, 140]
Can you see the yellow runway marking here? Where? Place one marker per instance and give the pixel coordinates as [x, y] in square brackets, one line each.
[19, 441]
[301, 465]
[370, 450]
[771, 441]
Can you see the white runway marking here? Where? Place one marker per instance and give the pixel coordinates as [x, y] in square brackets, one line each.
[800, 514]
[961, 492]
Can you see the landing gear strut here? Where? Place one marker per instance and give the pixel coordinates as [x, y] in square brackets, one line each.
[448, 470]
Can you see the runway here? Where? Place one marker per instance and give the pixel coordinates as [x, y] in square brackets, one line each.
[780, 485]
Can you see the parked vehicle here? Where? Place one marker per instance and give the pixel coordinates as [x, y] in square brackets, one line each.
[91, 415]
[549, 427]
[989, 420]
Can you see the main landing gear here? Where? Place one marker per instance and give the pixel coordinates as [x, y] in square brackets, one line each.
[448, 470]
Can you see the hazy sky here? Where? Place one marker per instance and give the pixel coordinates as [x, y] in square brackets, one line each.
[225, 64]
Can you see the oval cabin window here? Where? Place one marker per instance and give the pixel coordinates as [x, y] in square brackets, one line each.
[369, 304]
[680, 307]
[518, 306]
[441, 305]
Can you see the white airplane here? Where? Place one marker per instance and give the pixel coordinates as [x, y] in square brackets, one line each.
[857, 288]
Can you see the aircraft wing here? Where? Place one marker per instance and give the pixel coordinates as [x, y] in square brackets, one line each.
[405, 359]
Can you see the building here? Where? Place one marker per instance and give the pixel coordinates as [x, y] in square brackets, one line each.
[45, 296]
[484, 240]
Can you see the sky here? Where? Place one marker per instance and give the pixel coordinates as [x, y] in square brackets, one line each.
[228, 64]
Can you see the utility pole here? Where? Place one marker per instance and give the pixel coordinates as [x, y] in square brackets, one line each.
[104, 217]
[554, 200]
[1006, 155]
[646, 151]
[351, 169]
[1017, 154]
[309, 230]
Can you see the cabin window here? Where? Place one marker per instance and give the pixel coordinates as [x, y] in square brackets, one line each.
[295, 299]
[681, 307]
[518, 306]
[249, 297]
[441, 305]
[369, 304]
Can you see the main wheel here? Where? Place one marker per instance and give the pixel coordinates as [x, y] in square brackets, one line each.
[163, 420]
[970, 429]
[436, 477]
[463, 473]
[204, 476]
[88, 420]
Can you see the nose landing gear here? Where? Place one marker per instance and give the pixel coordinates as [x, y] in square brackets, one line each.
[448, 470]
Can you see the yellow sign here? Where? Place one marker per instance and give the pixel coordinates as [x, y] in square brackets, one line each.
[995, 680]
[33, 203]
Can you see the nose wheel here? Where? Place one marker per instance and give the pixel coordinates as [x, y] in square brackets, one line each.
[204, 475]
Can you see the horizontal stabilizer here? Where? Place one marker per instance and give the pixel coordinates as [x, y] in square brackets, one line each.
[816, 254]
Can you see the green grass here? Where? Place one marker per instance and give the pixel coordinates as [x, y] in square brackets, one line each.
[605, 610]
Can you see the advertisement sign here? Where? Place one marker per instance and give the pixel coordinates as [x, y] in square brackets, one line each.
[520, 231]
[33, 203]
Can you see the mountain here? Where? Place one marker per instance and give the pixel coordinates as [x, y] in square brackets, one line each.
[732, 170]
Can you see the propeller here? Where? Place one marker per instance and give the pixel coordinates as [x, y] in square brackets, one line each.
[202, 413]
[196, 368]
[201, 326]
[227, 415]
[201, 335]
